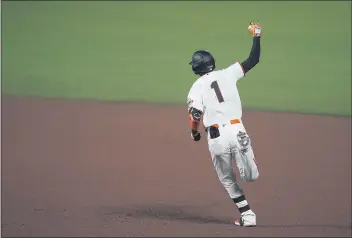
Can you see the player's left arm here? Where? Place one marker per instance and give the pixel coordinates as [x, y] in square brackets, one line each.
[254, 56]
[238, 70]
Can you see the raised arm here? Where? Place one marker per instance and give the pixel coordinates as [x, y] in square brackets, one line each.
[253, 59]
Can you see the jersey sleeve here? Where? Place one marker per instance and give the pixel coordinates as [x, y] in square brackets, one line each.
[235, 71]
[194, 98]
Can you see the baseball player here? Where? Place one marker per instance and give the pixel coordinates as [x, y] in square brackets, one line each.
[214, 97]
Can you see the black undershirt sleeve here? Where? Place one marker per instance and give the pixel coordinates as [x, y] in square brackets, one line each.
[254, 56]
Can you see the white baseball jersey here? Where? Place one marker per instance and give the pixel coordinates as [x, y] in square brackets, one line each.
[216, 95]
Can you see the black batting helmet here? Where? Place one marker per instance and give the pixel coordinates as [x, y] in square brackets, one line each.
[202, 62]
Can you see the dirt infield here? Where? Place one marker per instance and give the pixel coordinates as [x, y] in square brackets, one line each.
[79, 168]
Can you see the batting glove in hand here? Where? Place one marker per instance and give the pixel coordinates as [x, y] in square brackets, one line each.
[195, 135]
[255, 29]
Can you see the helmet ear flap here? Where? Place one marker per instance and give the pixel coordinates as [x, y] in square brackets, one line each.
[210, 62]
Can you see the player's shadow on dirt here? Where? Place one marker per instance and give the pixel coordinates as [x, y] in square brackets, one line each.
[182, 213]
[167, 213]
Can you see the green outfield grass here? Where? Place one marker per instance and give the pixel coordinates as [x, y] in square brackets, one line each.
[139, 51]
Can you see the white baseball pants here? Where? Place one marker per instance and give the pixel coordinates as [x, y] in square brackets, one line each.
[233, 144]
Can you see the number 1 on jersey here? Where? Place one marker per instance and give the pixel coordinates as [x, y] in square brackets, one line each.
[214, 85]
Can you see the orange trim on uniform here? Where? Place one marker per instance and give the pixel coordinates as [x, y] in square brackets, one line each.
[244, 73]
[234, 121]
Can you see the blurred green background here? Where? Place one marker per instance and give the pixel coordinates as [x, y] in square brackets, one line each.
[139, 51]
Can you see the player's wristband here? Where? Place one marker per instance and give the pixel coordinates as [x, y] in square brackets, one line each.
[195, 132]
[195, 135]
